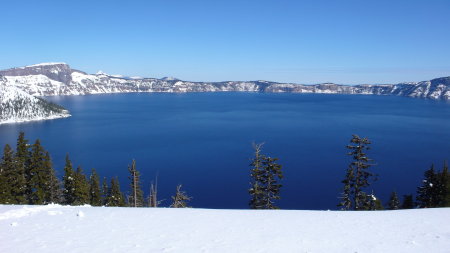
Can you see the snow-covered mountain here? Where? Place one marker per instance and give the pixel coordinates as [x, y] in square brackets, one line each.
[55, 228]
[49, 79]
[18, 106]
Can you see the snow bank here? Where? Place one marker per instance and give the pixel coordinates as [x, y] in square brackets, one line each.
[67, 229]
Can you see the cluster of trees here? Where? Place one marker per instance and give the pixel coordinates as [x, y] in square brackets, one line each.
[266, 175]
[27, 176]
[434, 192]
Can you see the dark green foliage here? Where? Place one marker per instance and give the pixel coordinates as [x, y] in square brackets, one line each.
[37, 174]
[136, 197]
[53, 192]
[408, 202]
[435, 189]
[428, 193]
[346, 196]
[445, 184]
[378, 205]
[81, 188]
[69, 182]
[94, 189]
[394, 203]
[50, 107]
[371, 203]
[104, 191]
[115, 196]
[358, 176]
[265, 176]
[7, 171]
[180, 199]
[21, 162]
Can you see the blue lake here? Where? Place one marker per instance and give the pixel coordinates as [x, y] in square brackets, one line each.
[203, 141]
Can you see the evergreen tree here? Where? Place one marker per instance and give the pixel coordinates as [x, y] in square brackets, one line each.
[428, 193]
[265, 175]
[445, 184]
[69, 182]
[256, 191]
[21, 161]
[180, 199]
[52, 186]
[81, 188]
[94, 189]
[408, 202]
[394, 203]
[115, 196]
[7, 169]
[358, 176]
[104, 191]
[371, 203]
[346, 203]
[136, 198]
[38, 175]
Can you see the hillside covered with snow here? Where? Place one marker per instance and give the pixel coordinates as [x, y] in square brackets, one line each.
[56, 228]
[18, 106]
[49, 79]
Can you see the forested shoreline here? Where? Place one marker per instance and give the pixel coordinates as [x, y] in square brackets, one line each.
[27, 176]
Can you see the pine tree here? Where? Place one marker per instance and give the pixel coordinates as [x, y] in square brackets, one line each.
[346, 203]
[272, 173]
[81, 188]
[136, 198]
[265, 176]
[7, 168]
[69, 182]
[408, 202]
[256, 191]
[394, 203]
[21, 160]
[104, 191]
[358, 176]
[371, 203]
[115, 196]
[445, 184]
[38, 175]
[94, 189]
[428, 193]
[180, 199]
[52, 193]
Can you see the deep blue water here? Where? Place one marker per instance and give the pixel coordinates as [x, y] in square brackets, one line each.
[203, 140]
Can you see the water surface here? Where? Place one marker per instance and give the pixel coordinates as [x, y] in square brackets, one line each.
[203, 140]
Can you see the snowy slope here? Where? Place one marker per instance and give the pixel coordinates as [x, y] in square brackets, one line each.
[68, 229]
[49, 79]
[18, 106]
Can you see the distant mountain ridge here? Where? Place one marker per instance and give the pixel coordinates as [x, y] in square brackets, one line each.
[50, 79]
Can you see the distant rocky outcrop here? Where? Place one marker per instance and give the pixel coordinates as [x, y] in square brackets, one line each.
[18, 106]
[49, 79]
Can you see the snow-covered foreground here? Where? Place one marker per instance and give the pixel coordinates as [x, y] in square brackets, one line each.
[55, 228]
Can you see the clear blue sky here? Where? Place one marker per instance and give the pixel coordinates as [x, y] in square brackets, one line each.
[288, 41]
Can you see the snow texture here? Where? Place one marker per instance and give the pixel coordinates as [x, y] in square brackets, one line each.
[18, 106]
[56, 228]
